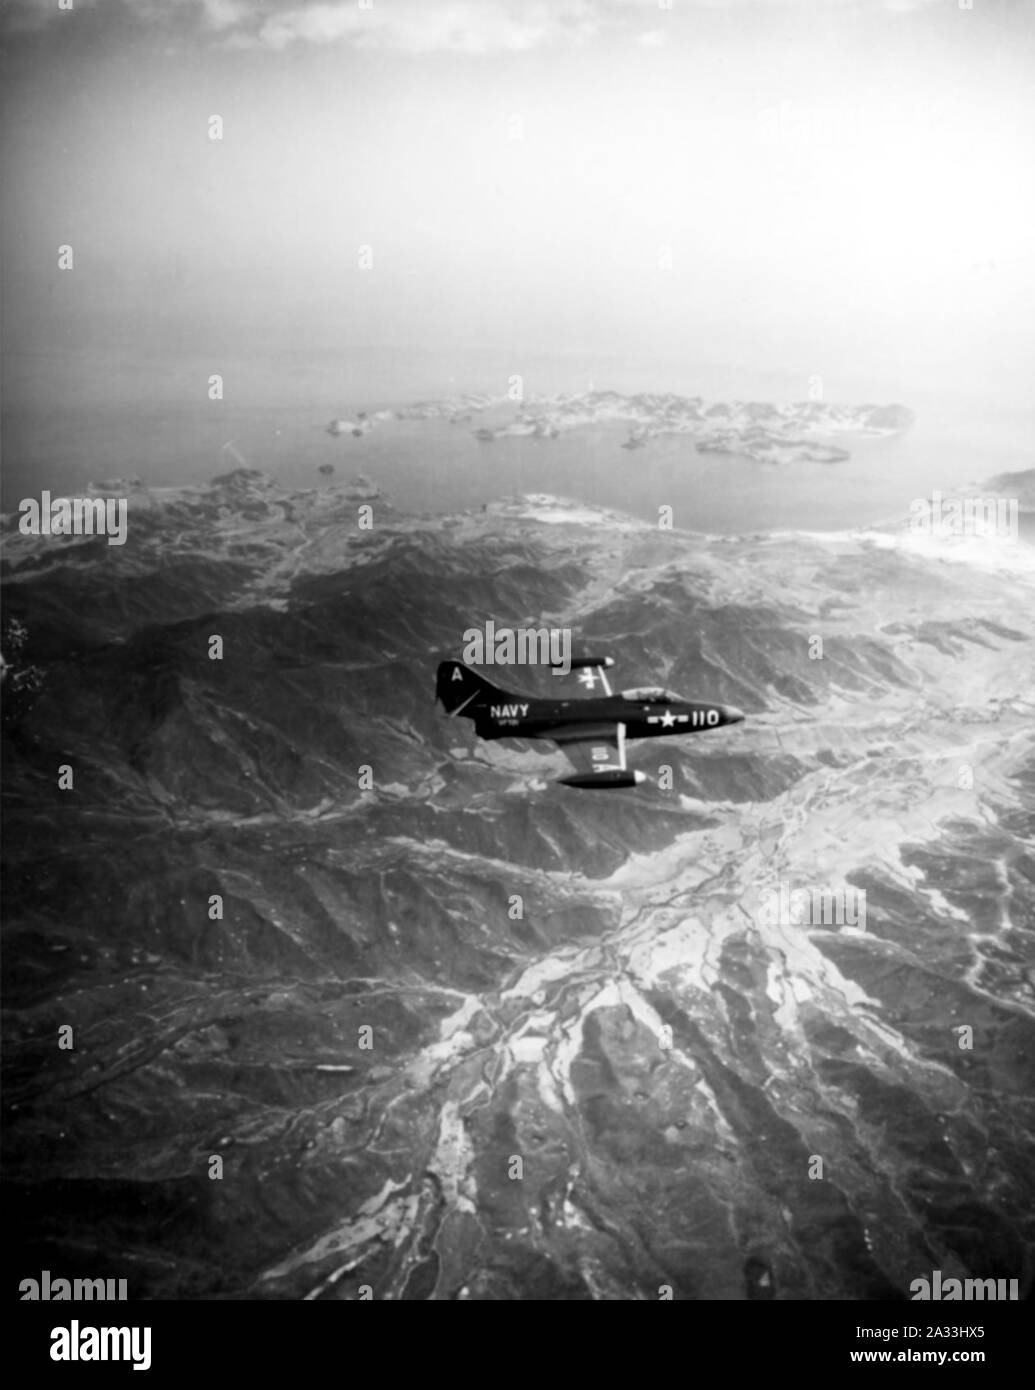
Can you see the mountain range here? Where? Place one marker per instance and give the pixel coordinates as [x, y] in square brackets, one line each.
[453, 1031]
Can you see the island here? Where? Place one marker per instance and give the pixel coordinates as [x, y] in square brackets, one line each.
[793, 432]
[769, 433]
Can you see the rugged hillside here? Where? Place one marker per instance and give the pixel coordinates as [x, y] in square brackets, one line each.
[665, 1055]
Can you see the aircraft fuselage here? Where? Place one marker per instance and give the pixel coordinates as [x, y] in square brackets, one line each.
[522, 717]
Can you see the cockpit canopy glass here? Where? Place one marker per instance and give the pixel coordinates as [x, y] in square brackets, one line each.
[654, 694]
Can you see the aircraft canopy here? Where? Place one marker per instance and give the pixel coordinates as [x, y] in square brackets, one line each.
[654, 693]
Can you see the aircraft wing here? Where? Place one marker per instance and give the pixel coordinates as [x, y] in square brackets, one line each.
[591, 672]
[592, 748]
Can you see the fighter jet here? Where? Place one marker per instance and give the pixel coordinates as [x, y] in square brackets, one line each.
[591, 732]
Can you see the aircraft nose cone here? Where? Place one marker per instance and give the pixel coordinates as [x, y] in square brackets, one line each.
[734, 715]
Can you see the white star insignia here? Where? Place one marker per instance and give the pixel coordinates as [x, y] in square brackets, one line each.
[588, 678]
[668, 719]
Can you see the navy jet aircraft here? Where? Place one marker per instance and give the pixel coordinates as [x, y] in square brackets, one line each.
[591, 732]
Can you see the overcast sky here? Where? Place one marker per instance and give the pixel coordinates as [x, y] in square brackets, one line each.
[745, 178]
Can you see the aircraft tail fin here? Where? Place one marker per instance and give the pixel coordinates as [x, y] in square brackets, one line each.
[463, 691]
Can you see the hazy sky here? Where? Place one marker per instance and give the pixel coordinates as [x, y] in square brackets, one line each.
[824, 181]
